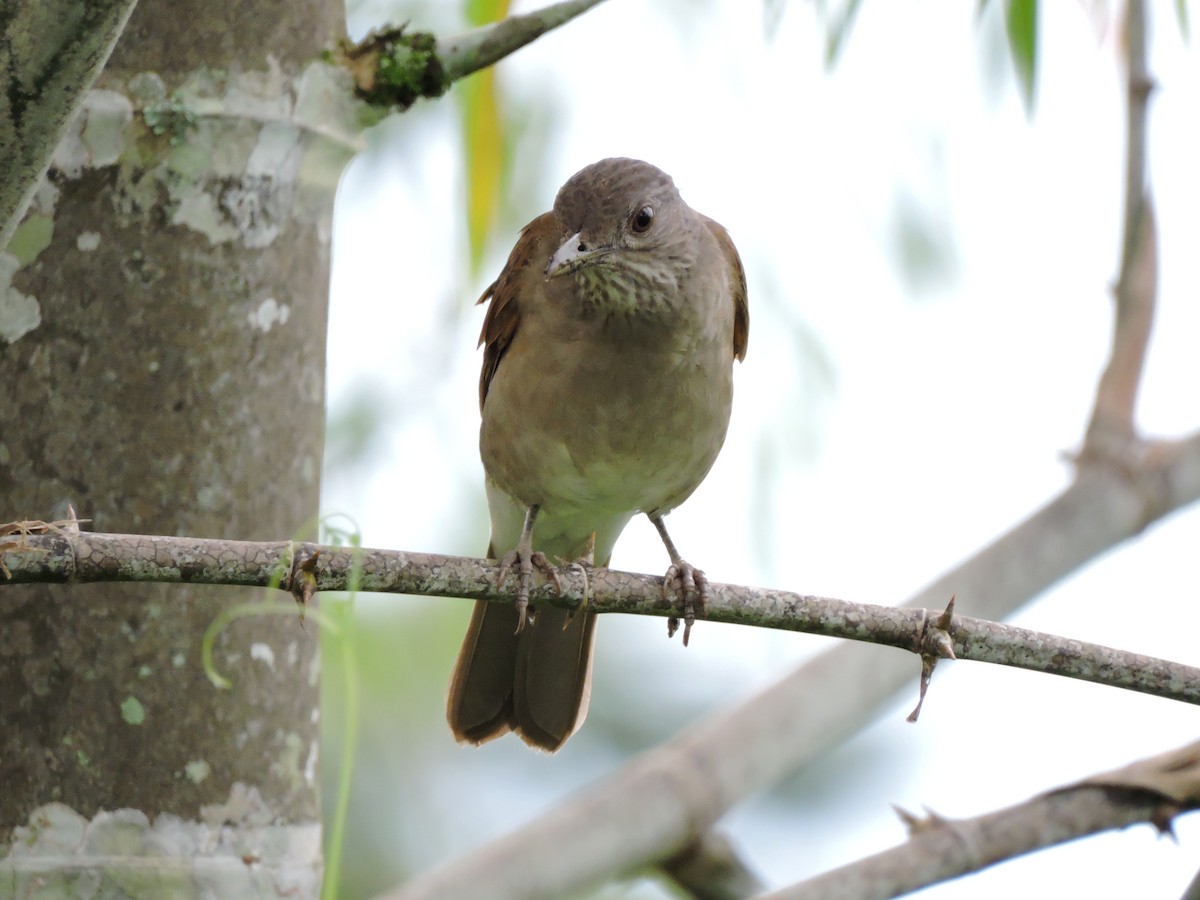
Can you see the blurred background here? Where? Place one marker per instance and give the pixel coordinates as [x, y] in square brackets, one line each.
[929, 266]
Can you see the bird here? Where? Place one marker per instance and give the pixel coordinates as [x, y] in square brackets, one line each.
[607, 382]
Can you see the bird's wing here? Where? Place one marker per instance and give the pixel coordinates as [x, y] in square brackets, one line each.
[525, 264]
[741, 306]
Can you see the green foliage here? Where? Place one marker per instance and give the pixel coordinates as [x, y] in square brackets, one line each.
[1021, 31]
[482, 136]
[922, 244]
[1021, 34]
[334, 618]
[353, 430]
[480, 12]
[341, 614]
[837, 29]
[483, 140]
[1021, 26]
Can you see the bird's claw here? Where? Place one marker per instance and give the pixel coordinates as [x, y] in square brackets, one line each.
[584, 566]
[525, 560]
[689, 587]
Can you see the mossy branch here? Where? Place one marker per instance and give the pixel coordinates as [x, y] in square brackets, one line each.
[394, 67]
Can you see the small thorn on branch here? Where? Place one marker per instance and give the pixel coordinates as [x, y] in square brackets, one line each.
[302, 580]
[936, 643]
[915, 824]
[582, 566]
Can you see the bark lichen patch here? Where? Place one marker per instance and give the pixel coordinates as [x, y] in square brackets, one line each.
[31, 238]
[19, 313]
[132, 711]
[96, 136]
[230, 155]
[268, 313]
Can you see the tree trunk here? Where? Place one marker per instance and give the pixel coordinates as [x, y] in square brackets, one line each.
[162, 344]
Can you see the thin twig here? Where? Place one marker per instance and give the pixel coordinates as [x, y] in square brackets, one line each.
[466, 53]
[1111, 433]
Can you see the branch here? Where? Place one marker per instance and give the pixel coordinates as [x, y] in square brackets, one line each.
[37, 552]
[710, 869]
[394, 67]
[1153, 790]
[50, 53]
[1192, 891]
[478, 49]
[1111, 433]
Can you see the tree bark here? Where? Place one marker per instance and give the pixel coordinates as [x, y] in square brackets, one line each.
[162, 329]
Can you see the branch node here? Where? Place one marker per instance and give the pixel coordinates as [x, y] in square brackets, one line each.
[935, 642]
[945, 619]
[392, 69]
[709, 866]
[914, 824]
[301, 581]
[23, 529]
[581, 566]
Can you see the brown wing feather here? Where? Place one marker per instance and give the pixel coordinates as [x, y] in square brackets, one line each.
[504, 312]
[741, 305]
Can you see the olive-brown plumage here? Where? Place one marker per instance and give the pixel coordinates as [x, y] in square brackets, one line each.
[606, 388]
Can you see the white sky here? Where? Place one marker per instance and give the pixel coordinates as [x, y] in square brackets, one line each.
[948, 413]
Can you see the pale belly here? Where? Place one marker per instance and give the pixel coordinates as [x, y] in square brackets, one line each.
[594, 446]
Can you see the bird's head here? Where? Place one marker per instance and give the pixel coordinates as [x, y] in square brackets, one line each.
[628, 230]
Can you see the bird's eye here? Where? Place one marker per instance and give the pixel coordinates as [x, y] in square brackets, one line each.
[642, 220]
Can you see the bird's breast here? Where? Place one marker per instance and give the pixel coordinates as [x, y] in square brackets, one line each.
[609, 416]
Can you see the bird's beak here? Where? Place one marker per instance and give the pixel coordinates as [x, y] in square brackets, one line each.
[573, 253]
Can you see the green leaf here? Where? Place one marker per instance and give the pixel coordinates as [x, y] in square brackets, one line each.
[483, 154]
[483, 140]
[837, 30]
[480, 12]
[922, 244]
[1181, 16]
[1021, 23]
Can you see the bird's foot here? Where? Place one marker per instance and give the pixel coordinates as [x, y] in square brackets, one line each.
[584, 564]
[689, 587]
[525, 560]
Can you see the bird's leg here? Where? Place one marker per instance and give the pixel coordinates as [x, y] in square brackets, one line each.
[524, 557]
[689, 584]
